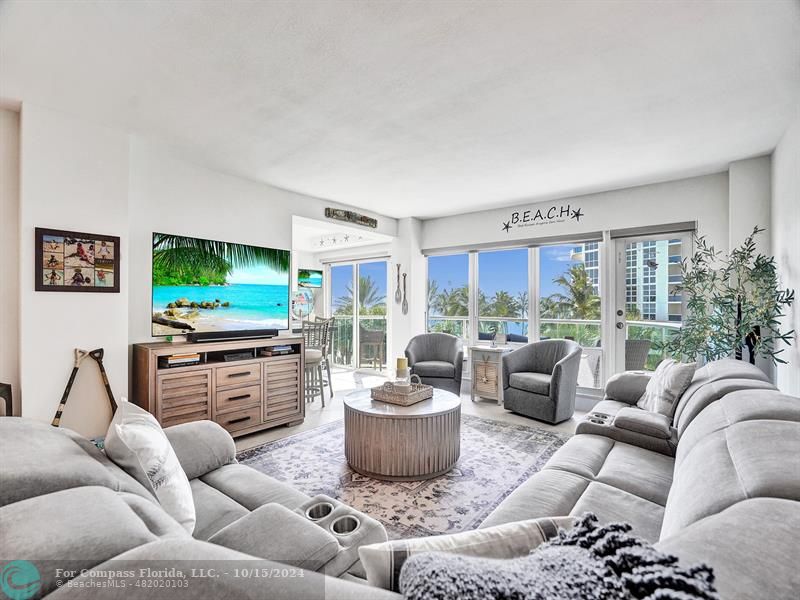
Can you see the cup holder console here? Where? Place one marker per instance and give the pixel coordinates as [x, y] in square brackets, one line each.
[598, 418]
[345, 524]
[318, 511]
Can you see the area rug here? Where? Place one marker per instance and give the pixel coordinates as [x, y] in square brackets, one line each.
[496, 458]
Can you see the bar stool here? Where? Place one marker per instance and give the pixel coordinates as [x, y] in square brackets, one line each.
[315, 334]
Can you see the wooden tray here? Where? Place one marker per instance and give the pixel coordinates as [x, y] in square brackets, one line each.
[418, 393]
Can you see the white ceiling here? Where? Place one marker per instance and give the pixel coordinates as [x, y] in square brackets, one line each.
[422, 108]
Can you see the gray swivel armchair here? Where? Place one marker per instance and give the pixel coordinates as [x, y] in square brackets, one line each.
[540, 380]
[438, 359]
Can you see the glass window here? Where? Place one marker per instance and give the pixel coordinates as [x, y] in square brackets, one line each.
[448, 294]
[569, 303]
[343, 308]
[503, 294]
[372, 314]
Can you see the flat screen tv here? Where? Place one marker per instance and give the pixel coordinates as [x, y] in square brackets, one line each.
[210, 286]
[309, 278]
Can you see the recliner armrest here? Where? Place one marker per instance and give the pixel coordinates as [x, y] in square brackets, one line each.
[644, 422]
[201, 447]
[627, 387]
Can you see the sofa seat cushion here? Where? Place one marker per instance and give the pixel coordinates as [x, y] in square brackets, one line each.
[434, 368]
[535, 383]
[616, 481]
[251, 488]
[214, 510]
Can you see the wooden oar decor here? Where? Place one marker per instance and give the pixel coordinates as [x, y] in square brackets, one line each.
[97, 356]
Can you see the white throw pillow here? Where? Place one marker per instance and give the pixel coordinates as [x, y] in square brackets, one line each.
[137, 444]
[382, 562]
[666, 387]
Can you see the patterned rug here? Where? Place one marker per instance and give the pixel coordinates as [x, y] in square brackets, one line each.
[496, 458]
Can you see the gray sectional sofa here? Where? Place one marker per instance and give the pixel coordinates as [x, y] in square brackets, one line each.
[728, 493]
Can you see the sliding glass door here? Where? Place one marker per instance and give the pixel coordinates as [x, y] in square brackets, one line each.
[648, 309]
[358, 306]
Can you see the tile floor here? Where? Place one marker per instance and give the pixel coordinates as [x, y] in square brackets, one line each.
[346, 380]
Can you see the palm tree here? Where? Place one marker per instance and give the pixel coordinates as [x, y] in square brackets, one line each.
[578, 300]
[187, 257]
[369, 297]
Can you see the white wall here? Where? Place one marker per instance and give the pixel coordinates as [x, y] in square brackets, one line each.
[702, 199]
[749, 199]
[750, 196]
[785, 219]
[9, 251]
[74, 175]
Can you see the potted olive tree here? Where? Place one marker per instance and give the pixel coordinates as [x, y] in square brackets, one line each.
[734, 302]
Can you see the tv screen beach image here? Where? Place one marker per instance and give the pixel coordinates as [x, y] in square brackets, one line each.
[205, 285]
[309, 278]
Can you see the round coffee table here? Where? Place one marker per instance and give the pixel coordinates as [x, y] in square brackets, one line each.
[402, 443]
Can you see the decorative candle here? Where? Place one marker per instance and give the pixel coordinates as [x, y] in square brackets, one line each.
[402, 363]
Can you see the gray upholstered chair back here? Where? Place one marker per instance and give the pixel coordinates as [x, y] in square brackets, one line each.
[433, 346]
[548, 353]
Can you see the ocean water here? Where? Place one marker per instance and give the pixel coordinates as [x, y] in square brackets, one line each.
[251, 305]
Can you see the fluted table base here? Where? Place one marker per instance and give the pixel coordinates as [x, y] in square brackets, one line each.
[402, 443]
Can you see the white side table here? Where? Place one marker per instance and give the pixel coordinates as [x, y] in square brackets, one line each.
[487, 373]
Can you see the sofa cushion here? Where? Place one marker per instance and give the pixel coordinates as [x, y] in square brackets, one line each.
[752, 547]
[201, 446]
[77, 528]
[749, 459]
[251, 489]
[736, 407]
[727, 376]
[214, 509]
[276, 533]
[627, 387]
[535, 383]
[612, 505]
[434, 368]
[40, 459]
[666, 387]
[594, 473]
[136, 442]
[641, 421]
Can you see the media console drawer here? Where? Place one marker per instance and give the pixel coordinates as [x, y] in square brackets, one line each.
[237, 398]
[238, 374]
[241, 419]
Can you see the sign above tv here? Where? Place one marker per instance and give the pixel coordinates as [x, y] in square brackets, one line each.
[351, 217]
[211, 286]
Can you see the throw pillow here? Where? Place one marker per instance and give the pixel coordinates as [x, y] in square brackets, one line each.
[666, 387]
[602, 563]
[137, 444]
[382, 562]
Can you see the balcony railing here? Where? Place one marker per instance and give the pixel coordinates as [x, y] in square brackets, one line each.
[371, 345]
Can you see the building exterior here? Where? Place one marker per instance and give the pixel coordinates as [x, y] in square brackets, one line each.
[648, 286]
